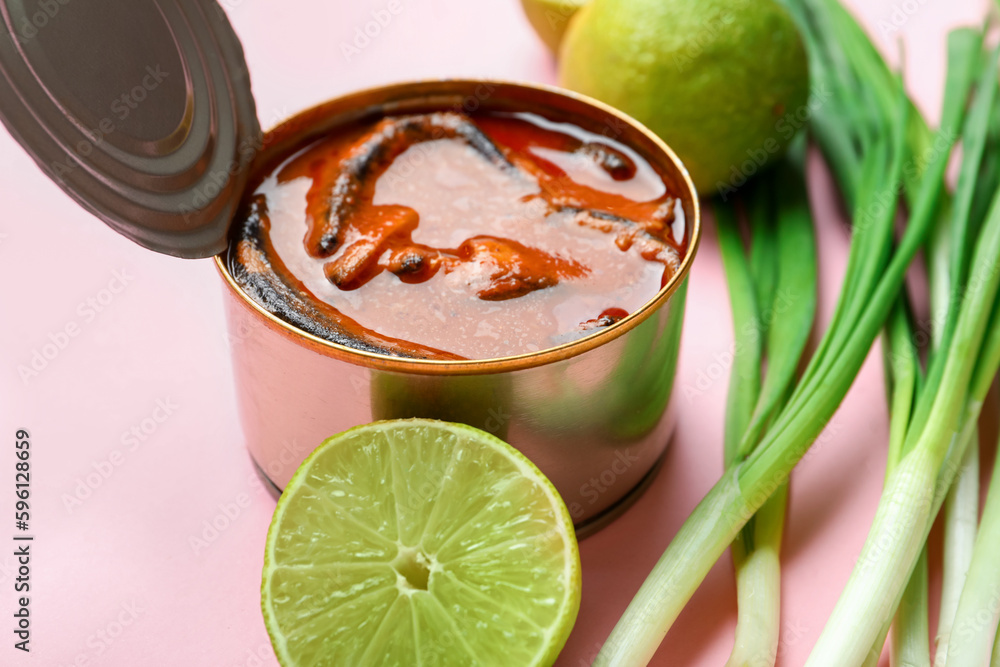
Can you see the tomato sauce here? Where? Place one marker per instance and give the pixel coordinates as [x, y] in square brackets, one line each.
[450, 236]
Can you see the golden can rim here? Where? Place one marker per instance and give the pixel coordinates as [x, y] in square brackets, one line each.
[497, 364]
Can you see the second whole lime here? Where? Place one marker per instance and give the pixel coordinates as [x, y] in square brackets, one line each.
[550, 18]
[724, 82]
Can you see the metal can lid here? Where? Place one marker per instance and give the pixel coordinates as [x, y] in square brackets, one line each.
[141, 111]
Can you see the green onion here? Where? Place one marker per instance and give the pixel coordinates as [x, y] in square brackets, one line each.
[867, 296]
[910, 636]
[976, 619]
[794, 285]
[757, 573]
[910, 626]
[747, 355]
[948, 267]
[903, 377]
[905, 513]
[862, 130]
[906, 509]
[964, 49]
[961, 518]
[773, 298]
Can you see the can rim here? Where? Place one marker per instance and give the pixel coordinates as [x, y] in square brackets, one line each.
[513, 362]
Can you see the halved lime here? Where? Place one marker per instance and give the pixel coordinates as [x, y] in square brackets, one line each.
[419, 543]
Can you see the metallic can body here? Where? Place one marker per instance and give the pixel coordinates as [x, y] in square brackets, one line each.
[594, 414]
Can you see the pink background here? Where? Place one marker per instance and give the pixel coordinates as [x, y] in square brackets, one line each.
[124, 552]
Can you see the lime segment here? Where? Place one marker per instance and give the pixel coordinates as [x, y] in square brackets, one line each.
[417, 542]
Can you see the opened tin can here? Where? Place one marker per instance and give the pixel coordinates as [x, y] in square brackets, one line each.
[593, 414]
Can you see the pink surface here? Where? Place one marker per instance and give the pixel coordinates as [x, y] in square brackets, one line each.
[136, 446]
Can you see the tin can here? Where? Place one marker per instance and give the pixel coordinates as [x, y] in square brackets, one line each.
[594, 414]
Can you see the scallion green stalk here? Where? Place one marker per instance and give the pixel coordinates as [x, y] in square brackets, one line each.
[961, 520]
[995, 660]
[757, 573]
[904, 513]
[872, 290]
[978, 613]
[910, 635]
[744, 379]
[964, 57]
[948, 268]
[773, 296]
[756, 558]
[788, 298]
[854, 633]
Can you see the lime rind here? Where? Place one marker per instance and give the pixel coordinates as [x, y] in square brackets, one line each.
[492, 533]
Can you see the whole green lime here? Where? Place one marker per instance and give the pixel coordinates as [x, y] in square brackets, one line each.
[724, 82]
[550, 18]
